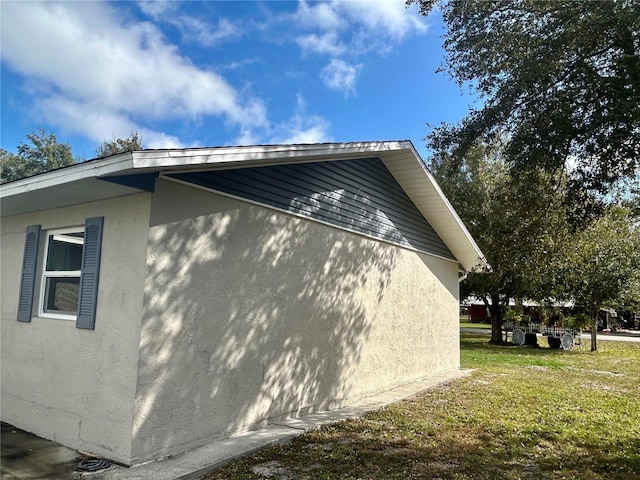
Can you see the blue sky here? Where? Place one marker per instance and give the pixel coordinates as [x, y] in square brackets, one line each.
[189, 74]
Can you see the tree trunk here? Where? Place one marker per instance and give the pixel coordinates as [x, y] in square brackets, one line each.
[594, 329]
[496, 321]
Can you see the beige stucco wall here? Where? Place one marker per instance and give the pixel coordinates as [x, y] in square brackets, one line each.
[253, 314]
[70, 385]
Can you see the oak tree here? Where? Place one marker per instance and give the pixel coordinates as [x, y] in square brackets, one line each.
[605, 264]
[561, 78]
[119, 145]
[519, 223]
[42, 153]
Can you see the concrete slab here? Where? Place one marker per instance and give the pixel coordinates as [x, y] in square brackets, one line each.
[28, 457]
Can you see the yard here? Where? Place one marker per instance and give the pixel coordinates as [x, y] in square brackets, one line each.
[525, 413]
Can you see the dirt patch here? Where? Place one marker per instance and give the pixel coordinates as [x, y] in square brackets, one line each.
[273, 469]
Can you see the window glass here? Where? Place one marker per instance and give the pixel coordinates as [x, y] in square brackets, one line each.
[61, 275]
[61, 295]
[65, 251]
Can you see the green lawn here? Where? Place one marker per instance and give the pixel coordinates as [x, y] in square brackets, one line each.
[525, 413]
[485, 326]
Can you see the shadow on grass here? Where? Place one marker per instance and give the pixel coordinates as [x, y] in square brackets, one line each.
[342, 452]
[477, 350]
[516, 417]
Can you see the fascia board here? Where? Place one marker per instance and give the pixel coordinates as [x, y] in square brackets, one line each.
[65, 186]
[196, 158]
[253, 156]
[73, 173]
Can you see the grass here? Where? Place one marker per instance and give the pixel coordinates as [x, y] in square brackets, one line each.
[524, 413]
[485, 326]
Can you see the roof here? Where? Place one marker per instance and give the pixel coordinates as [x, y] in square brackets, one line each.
[83, 182]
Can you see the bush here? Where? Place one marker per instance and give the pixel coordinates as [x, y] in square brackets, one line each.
[579, 321]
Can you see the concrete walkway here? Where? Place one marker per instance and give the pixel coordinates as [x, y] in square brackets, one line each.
[194, 464]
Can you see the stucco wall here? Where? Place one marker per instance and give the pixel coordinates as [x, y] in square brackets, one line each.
[252, 314]
[77, 386]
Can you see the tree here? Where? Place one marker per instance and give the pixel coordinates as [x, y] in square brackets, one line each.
[519, 223]
[561, 78]
[41, 154]
[629, 302]
[44, 153]
[605, 262]
[119, 145]
[12, 167]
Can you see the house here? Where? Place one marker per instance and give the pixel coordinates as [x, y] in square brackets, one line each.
[154, 301]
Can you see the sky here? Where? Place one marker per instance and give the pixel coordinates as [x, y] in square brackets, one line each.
[219, 73]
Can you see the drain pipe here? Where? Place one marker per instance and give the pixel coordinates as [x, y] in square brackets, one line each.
[462, 277]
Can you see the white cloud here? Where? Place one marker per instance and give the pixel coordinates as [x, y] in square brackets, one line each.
[353, 29]
[94, 70]
[157, 9]
[323, 15]
[326, 43]
[389, 18]
[247, 137]
[153, 139]
[191, 28]
[194, 29]
[370, 25]
[340, 75]
[96, 122]
[301, 127]
[112, 72]
[309, 130]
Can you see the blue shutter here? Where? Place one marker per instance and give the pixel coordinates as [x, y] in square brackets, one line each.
[28, 280]
[90, 273]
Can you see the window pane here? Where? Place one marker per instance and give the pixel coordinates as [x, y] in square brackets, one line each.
[61, 295]
[65, 252]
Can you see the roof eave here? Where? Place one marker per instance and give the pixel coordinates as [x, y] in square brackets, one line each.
[400, 157]
[409, 170]
[79, 171]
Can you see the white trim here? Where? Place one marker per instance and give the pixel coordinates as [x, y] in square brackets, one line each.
[411, 173]
[68, 239]
[60, 235]
[79, 171]
[261, 154]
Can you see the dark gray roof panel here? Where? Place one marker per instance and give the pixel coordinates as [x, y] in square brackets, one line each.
[360, 195]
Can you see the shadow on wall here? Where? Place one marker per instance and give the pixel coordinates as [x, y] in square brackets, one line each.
[251, 314]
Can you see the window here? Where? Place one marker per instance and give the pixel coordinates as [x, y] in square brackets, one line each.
[60, 289]
[70, 273]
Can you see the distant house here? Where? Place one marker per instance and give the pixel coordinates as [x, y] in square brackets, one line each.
[154, 301]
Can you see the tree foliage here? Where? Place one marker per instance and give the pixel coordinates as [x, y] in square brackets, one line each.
[41, 154]
[119, 145]
[561, 78]
[523, 224]
[605, 264]
[519, 223]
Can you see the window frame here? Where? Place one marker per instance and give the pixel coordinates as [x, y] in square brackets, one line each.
[45, 274]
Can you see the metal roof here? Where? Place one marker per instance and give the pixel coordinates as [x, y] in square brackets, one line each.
[83, 182]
